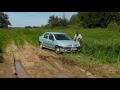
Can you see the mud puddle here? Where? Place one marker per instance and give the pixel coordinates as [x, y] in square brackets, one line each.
[20, 72]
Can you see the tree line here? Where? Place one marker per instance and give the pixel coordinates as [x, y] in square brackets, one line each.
[86, 19]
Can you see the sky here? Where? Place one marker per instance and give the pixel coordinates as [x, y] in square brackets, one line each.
[22, 19]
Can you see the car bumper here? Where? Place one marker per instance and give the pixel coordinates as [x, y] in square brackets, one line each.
[69, 49]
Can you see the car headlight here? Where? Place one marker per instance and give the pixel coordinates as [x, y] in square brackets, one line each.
[64, 45]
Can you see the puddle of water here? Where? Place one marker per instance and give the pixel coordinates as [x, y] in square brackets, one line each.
[20, 71]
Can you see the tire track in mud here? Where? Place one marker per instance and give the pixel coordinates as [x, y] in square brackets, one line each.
[39, 63]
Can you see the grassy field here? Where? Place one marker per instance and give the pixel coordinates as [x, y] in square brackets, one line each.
[98, 45]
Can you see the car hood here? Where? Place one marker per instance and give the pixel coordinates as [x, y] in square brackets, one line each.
[67, 42]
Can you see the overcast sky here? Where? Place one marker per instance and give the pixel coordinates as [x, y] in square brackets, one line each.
[22, 19]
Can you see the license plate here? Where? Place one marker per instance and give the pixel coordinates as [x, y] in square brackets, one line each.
[73, 48]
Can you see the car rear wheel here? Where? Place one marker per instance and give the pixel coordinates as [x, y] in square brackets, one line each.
[41, 45]
[57, 50]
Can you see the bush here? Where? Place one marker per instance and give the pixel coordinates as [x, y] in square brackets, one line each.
[28, 27]
[113, 26]
[75, 26]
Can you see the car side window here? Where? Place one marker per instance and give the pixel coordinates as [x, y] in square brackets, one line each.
[51, 37]
[46, 35]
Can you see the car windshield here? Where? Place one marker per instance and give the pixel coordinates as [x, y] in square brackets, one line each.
[62, 37]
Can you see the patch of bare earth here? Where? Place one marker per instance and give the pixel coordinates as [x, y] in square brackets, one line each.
[39, 63]
[103, 70]
[7, 66]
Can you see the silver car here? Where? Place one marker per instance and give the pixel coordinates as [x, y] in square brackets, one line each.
[59, 42]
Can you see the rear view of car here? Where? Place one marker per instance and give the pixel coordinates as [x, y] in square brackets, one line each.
[59, 42]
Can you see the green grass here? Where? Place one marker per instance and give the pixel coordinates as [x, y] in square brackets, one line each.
[85, 60]
[101, 45]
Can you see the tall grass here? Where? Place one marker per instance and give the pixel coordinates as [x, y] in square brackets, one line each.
[102, 44]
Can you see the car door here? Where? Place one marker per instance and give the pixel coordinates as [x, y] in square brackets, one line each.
[45, 39]
[51, 41]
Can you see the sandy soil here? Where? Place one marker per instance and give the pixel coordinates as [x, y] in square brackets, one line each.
[44, 63]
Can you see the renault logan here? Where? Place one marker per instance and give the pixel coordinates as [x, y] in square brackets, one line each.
[59, 42]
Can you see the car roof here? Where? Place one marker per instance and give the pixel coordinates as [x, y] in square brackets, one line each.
[55, 32]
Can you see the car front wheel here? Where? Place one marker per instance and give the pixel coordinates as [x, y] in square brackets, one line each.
[57, 50]
[41, 46]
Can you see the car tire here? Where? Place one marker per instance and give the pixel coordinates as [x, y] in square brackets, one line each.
[57, 50]
[41, 45]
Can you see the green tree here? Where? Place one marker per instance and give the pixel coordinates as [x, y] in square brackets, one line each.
[95, 19]
[53, 21]
[64, 20]
[56, 21]
[4, 22]
[74, 19]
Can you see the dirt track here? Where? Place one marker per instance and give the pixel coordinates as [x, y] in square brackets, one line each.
[39, 63]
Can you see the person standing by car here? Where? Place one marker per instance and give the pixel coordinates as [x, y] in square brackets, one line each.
[78, 37]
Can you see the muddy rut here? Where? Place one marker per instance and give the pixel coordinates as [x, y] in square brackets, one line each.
[39, 63]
